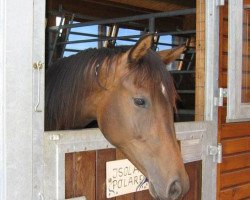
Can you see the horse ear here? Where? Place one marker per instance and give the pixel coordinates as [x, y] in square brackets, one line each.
[141, 48]
[170, 55]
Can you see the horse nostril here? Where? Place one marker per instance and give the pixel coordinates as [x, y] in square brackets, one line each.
[175, 190]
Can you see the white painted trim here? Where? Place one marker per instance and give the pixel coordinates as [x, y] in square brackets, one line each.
[209, 168]
[16, 99]
[2, 100]
[38, 117]
[211, 59]
[58, 143]
[236, 110]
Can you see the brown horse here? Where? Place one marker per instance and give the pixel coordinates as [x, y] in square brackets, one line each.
[131, 95]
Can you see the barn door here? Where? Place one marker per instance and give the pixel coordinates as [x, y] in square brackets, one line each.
[198, 140]
[234, 125]
[38, 96]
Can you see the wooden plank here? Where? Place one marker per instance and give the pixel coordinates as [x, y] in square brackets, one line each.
[100, 9]
[158, 5]
[120, 155]
[102, 157]
[92, 9]
[85, 169]
[235, 193]
[69, 175]
[223, 81]
[245, 79]
[235, 178]
[237, 145]
[194, 172]
[233, 130]
[145, 195]
[245, 96]
[200, 61]
[235, 162]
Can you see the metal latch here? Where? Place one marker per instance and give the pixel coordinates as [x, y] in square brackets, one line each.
[38, 66]
[216, 152]
[221, 96]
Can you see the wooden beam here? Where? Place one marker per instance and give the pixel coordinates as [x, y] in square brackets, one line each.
[157, 5]
[99, 10]
[93, 9]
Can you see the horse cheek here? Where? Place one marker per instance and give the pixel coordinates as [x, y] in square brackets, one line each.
[107, 121]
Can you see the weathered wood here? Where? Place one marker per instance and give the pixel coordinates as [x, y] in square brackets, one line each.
[102, 156]
[145, 195]
[235, 178]
[234, 130]
[200, 60]
[85, 168]
[69, 175]
[237, 145]
[194, 173]
[234, 172]
[238, 192]
[158, 5]
[235, 162]
[103, 10]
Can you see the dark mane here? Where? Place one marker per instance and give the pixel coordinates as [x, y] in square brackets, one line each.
[70, 80]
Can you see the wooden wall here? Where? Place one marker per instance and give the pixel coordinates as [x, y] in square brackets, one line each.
[200, 61]
[234, 172]
[86, 174]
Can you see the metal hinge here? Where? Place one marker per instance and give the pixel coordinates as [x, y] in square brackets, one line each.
[220, 2]
[218, 101]
[216, 152]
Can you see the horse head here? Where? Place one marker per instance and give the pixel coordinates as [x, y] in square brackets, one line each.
[135, 113]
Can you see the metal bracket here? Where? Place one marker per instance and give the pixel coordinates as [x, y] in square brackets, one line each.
[222, 94]
[220, 2]
[216, 152]
[54, 137]
[38, 66]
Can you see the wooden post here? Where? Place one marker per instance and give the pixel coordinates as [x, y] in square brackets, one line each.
[200, 60]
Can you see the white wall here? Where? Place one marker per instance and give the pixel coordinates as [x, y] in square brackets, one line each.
[16, 29]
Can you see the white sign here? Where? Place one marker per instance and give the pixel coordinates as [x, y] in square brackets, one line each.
[122, 177]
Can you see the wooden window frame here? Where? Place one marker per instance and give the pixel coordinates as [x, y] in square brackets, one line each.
[236, 110]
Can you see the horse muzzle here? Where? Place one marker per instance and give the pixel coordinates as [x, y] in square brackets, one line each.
[174, 191]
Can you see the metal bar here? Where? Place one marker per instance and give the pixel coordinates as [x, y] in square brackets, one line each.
[151, 25]
[86, 17]
[101, 32]
[106, 37]
[130, 18]
[127, 37]
[130, 36]
[67, 35]
[191, 61]
[73, 50]
[55, 41]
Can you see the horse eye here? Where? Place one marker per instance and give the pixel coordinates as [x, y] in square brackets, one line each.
[139, 102]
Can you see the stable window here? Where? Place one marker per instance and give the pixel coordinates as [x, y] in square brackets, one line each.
[238, 101]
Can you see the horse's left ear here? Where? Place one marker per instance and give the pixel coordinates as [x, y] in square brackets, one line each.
[141, 48]
[170, 55]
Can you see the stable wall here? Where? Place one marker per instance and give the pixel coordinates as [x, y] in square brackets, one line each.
[234, 172]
